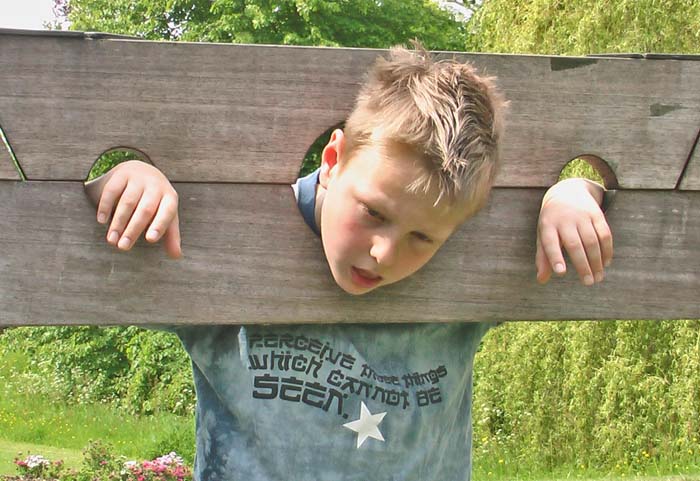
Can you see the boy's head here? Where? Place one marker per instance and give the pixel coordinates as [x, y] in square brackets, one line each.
[418, 157]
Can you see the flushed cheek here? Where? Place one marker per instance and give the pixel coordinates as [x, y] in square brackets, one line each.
[351, 237]
[339, 243]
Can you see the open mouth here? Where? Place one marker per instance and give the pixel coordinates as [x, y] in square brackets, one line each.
[364, 278]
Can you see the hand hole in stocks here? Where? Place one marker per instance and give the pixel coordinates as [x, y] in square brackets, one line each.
[112, 157]
[590, 167]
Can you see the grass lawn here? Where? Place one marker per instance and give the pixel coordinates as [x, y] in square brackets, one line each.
[37, 421]
[32, 424]
[641, 478]
[523, 473]
[10, 449]
[571, 476]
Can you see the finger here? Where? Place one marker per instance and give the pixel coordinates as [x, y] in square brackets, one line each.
[140, 218]
[125, 208]
[552, 249]
[605, 238]
[172, 239]
[163, 218]
[544, 270]
[589, 237]
[571, 240]
[110, 195]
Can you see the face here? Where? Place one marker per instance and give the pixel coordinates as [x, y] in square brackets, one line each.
[374, 232]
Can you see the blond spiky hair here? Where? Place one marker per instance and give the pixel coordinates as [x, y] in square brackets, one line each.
[443, 111]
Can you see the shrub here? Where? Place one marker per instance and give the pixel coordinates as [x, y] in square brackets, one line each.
[138, 370]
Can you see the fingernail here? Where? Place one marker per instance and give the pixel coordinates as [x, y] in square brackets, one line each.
[124, 243]
[607, 263]
[113, 237]
[101, 218]
[588, 280]
[559, 268]
[599, 276]
[152, 234]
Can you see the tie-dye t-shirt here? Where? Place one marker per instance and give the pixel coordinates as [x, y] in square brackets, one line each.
[333, 402]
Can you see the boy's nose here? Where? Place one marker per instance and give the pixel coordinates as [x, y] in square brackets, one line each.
[384, 250]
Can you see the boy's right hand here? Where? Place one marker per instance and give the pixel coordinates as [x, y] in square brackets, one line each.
[139, 196]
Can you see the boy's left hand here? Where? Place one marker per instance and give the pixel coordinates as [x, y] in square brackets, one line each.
[570, 217]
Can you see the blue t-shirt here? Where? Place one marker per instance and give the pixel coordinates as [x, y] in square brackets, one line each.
[333, 402]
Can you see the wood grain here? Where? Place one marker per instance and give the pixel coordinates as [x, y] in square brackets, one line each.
[7, 168]
[241, 113]
[250, 259]
[691, 178]
[210, 115]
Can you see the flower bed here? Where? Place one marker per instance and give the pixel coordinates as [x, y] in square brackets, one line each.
[100, 464]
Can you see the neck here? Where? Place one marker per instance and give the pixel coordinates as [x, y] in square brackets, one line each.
[320, 196]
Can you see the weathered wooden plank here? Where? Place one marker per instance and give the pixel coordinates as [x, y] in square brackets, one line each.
[249, 258]
[691, 177]
[241, 113]
[7, 168]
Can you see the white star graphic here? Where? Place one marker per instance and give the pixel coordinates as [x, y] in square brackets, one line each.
[366, 426]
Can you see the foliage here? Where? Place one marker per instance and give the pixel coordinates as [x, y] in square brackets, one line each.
[111, 158]
[140, 371]
[620, 396]
[160, 375]
[586, 26]
[349, 23]
[100, 463]
[581, 169]
[312, 159]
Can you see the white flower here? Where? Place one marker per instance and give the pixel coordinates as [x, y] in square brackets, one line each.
[36, 460]
[171, 458]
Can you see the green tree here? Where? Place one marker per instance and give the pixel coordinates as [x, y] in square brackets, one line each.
[586, 26]
[347, 23]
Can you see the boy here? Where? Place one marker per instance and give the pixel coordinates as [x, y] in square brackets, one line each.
[362, 402]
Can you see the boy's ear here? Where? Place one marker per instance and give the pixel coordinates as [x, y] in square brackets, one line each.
[331, 156]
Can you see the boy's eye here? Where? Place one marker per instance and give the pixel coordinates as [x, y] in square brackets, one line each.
[422, 237]
[373, 213]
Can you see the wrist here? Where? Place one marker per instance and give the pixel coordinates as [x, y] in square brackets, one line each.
[575, 184]
[596, 190]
